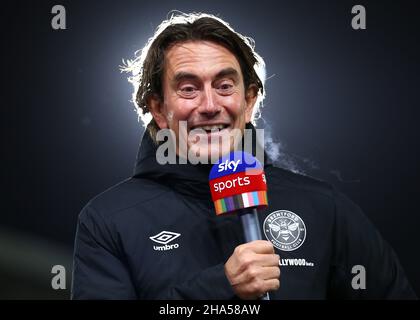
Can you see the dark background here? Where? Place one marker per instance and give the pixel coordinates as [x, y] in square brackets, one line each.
[342, 105]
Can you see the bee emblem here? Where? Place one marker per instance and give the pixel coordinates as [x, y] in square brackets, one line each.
[285, 229]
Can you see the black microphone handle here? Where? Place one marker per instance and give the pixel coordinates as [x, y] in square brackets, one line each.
[252, 231]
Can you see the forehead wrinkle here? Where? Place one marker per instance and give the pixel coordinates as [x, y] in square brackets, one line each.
[172, 53]
[226, 72]
[186, 56]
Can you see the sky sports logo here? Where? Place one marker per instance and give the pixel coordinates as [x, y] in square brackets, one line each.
[229, 178]
[228, 165]
[234, 183]
[237, 182]
[237, 176]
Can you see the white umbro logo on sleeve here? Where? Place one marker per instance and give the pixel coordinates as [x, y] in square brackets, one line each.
[164, 237]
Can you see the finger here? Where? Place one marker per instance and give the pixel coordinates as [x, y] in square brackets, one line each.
[260, 246]
[271, 285]
[260, 273]
[270, 273]
[267, 260]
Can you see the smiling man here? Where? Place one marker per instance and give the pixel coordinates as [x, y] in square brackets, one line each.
[156, 236]
[203, 86]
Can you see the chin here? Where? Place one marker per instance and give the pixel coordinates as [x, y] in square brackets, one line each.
[209, 147]
[207, 154]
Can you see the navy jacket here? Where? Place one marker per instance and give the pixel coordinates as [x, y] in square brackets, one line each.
[156, 236]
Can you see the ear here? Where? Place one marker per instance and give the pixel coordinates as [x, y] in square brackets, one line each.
[251, 96]
[155, 104]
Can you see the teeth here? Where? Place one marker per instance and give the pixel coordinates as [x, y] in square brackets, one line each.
[209, 128]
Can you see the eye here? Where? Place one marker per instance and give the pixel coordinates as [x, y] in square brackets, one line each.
[225, 87]
[188, 91]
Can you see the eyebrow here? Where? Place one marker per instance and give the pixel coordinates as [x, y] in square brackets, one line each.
[228, 72]
[180, 76]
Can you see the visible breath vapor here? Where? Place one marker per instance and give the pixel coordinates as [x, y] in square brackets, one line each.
[277, 152]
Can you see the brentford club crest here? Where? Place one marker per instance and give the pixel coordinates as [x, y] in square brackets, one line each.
[285, 229]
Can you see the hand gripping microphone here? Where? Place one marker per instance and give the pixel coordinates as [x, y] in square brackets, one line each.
[238, 185]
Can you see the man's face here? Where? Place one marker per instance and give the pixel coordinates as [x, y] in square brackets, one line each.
[203, 85]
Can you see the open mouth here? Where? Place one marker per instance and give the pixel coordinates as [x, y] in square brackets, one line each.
[211, 128]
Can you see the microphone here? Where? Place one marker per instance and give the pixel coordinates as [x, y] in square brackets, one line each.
[238, 185]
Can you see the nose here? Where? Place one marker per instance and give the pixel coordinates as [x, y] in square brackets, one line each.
[209, 105]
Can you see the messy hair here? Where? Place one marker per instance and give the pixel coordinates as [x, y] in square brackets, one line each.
[147, 68]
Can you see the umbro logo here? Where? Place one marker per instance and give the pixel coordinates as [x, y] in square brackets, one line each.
[165, 237]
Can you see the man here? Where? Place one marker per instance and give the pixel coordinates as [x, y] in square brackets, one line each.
[156, 236]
